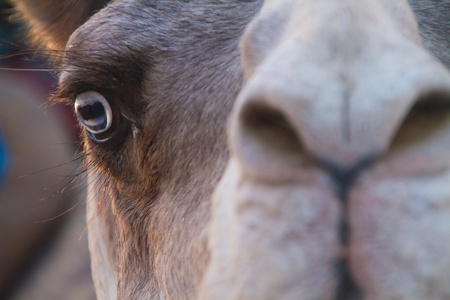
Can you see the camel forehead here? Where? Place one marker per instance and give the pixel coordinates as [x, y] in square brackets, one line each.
[116, 32]
[171, 35]
[164, 25]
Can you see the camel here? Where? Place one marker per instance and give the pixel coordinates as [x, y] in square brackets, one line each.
[277, 149]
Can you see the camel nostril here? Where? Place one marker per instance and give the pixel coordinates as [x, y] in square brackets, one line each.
[427, 118]
[268, 129]
[262, 115]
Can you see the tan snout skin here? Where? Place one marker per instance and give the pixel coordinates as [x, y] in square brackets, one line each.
[344, 75]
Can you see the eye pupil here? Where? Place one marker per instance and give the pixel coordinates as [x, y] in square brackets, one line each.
[93, 112]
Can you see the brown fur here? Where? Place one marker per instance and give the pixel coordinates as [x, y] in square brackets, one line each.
[174, 67]
[52, 22]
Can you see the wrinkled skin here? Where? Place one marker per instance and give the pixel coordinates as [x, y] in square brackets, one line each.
[333, 181]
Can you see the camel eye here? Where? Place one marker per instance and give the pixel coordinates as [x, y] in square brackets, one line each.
[96, 115]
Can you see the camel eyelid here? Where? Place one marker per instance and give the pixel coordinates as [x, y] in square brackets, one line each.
[70, 89]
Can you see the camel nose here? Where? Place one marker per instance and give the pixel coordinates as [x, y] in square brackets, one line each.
[332, 89]
[308, 114]
[328, 91]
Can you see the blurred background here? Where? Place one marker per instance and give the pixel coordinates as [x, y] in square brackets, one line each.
[43, 246]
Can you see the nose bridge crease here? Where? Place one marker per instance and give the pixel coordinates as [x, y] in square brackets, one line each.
[346, 121]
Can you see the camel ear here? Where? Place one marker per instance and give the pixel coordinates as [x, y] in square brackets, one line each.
[51, 22]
